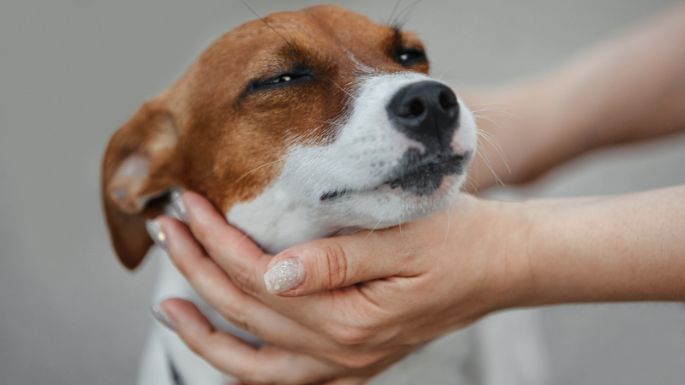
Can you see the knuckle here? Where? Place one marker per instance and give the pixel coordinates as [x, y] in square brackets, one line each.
[212, 240]
[196, 273]
[336, 264]
[358, 361]
[256, 377]
[409, 254]
[249, 374]
[350, 335]
[196, 346]
[244, 278]
[246, 375]
[211, 244]
[202, 234]
[236, 317]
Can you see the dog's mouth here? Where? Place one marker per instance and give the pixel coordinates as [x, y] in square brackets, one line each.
[416, 173]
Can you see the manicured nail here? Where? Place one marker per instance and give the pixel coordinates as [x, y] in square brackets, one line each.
[284, 275]
[154, 229]
[161, 317]
[178, 206]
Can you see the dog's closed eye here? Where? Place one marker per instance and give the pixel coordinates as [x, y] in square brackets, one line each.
[284, 79]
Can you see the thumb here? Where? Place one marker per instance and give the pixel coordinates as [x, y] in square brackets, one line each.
[335, 263]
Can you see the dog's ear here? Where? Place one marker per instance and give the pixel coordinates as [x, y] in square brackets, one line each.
[139, 166]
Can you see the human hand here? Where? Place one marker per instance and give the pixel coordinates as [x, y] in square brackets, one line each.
[362, 301]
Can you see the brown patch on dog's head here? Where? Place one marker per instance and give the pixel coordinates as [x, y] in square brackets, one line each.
[224, 128]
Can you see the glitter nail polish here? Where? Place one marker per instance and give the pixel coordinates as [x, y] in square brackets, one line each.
[284, 275]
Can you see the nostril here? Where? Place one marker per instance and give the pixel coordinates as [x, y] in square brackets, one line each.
[416, 107]
[447, 100]
[412, 108]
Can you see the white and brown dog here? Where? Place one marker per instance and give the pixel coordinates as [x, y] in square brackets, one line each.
[297, 126]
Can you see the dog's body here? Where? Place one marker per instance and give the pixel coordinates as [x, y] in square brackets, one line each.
[298, 126]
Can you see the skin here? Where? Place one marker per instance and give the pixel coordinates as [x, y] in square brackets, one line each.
[370, 298]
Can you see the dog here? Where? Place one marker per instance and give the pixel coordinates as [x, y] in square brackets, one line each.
[297, 126]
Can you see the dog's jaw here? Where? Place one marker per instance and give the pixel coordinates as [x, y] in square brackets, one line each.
[323, 189]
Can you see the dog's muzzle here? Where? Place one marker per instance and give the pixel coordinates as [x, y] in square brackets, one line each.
[427, 112]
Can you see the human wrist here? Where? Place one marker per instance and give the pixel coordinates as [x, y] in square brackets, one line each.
[560, 244]
[534, 264]
[507, 227]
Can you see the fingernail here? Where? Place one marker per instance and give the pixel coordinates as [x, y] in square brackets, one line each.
[284, 275]
[178, 206]
[161, 317]
[154, 229]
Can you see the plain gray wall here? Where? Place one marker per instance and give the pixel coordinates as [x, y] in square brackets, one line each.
[72, 71]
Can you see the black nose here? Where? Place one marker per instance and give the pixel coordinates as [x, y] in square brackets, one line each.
[426, 111]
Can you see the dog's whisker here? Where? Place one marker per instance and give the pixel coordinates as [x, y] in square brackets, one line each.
[470, 185]
[405, 14]
[282, 159]
[486, 118]
[342, 89]
[327, 121]
[392, 14]
[498, 180]
[489, 139]
[374, 228]
[289, 43]
[447, 228]
[492, 109]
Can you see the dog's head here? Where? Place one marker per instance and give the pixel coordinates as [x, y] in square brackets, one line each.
[320, 109]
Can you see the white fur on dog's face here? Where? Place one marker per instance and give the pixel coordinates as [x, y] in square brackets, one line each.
[356, 166]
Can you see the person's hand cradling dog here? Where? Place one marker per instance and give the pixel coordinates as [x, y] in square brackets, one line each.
[358, 302]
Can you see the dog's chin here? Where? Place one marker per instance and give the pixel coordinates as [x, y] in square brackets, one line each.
[426, 192]
[391, 205]
[417, 175]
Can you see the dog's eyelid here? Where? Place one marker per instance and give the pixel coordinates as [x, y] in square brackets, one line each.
[298, 73]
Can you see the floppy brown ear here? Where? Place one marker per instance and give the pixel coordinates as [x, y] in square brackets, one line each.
[138, 167]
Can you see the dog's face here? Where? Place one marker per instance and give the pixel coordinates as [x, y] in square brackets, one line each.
[321, 109]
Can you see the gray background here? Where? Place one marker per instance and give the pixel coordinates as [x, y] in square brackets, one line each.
[72, 71]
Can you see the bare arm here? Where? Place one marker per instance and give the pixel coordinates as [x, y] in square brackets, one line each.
[624, 248]
[627, 89]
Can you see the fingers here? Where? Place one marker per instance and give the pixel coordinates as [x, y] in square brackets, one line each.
[266, 365]
[203, 274]
[334, 263]
[240, 308]
[329, 326]
[234, 251]
[340, 317]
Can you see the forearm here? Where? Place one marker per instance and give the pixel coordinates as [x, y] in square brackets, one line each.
[626, 248]
[633, 87]
[627, 89]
